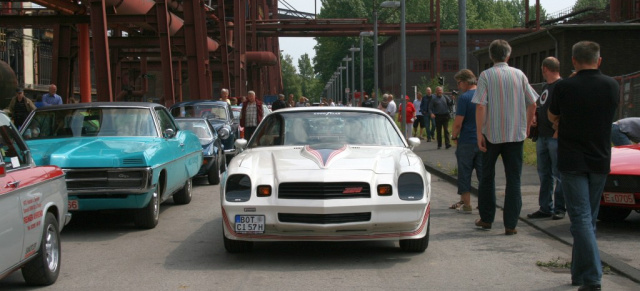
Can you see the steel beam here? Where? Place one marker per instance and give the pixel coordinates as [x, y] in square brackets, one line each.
[62, 61]
[101, 51]
[161, 12]
[197, 58]
[240, 48]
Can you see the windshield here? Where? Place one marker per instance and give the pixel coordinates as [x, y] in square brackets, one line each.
[90, 122]
[200, 110]
[326, 128]
[199, 127]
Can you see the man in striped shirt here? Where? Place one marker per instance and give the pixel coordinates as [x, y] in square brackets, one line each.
[504, 111]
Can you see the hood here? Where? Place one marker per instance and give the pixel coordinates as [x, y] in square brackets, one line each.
[625, 160]
[92, 152]
[305, 161]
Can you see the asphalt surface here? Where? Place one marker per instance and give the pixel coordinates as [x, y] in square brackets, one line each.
[617, 242]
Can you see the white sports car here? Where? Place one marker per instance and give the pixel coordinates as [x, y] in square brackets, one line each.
[326, 174]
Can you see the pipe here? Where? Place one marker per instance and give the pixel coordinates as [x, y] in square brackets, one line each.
[66, 7]
[84, 63]
[262, 58]
[134, 7]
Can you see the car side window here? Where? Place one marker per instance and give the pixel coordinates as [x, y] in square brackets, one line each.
[166, 122]
[270, 133]
[13, 150]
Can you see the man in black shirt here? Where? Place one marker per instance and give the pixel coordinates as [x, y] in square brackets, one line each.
[278, 104]
[582, 109]
[550, 198]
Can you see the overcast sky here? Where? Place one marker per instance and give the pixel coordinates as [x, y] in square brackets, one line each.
[297, 46]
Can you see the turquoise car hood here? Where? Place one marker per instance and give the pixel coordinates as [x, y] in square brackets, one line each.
[85, 152]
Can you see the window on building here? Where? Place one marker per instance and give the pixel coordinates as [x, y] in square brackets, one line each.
[449, 65]
[419, 66]
[535, 69]
[525, 65]
[517, 63]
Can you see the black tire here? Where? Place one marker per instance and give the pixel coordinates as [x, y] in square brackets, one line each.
[214, 173]
[184, 195]
[613, 214]
[416, 245]
[236, 246]
[44, 269]
[147, 217]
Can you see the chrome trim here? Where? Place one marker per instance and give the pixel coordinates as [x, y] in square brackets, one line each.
[67, 218]
[145, 180]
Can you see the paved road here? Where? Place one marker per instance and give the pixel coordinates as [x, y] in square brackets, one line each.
[185, 252]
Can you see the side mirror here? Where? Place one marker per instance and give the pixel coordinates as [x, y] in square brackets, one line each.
[241, 143]
[169, 133]
[413, 142]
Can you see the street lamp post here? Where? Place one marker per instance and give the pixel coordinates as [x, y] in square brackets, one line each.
[353, 50]
[403, 56]
[363, 34]
[341, 84]
[347, 59]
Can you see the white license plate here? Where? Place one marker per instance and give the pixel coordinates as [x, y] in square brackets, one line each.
[619, 198]
[250, 223]
[73, 205]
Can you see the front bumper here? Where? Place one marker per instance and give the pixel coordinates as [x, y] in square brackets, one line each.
[387, 222]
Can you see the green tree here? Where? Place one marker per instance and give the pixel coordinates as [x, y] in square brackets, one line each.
[308, 81]
[290, 78]
[598, 4]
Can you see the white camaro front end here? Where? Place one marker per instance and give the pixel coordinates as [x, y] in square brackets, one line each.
[326, 174]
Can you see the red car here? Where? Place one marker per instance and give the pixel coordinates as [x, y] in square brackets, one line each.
[622, 191]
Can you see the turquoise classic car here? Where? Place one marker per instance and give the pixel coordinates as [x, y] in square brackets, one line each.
[118, 155]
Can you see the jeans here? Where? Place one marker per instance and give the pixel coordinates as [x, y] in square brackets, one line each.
[442, 124]
[618, 137]
[551, 199]
[469, 157]
[511, 153]
[430, 124]
[582, 192]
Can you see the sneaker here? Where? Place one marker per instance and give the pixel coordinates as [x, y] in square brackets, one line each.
[558, 216]
[465, 209]
[539, 214]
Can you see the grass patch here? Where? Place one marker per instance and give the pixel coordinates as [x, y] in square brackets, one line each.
[555, 263]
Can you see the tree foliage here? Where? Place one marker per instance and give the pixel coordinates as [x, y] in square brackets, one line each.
[481, 14]
[290, 78]
[598, 4]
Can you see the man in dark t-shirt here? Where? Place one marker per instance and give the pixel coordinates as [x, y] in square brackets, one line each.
[279, 104]
[550, 198]
[582, 109]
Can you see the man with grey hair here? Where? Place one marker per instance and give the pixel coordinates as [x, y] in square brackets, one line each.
[224, 96]
[251, 114]
[279, 104]
[550, 197]
[582, 109]
[505, 104]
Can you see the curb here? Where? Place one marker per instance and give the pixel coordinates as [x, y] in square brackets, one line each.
[617, 265]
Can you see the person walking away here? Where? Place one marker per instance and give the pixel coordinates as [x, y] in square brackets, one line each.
[418, 123]
[290, 101]
[550, 197]
[20, 107]
[391, 107]
[279, 104]
[51, 98]
[251, 114]
[505, 104]
[430, 122]
[224, 96]
[39, 102]
[625, 131]
[582, 109]
[367, 102]
[411, 112]
[468, 156]
[439, 110]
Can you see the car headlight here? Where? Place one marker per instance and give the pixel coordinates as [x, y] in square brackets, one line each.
[238, 188]
[410, 186]
[224, 132]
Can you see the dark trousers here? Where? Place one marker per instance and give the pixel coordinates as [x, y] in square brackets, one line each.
[442, 124]
[511, 153]
[248, 132]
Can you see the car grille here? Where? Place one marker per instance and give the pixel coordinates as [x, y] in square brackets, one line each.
[117, 179]
[320, 191]
[324, 218]
[622, 183]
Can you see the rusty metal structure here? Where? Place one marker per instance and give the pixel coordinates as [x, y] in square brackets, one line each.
[190, 49]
